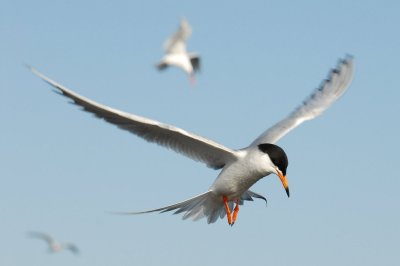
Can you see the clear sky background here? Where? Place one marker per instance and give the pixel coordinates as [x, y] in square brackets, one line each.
[61, 169]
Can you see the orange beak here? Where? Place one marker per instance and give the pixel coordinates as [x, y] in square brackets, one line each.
[284, 182]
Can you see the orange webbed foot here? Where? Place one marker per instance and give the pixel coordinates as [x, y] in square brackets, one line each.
[231, 216]
[235, 212]
[228, 210]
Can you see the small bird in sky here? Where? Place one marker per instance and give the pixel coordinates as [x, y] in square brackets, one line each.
[54, 245]
[176, 53]
[240, 168]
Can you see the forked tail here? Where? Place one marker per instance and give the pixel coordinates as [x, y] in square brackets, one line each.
[207, 205]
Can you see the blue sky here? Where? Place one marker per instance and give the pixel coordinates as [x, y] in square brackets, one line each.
[61, 169]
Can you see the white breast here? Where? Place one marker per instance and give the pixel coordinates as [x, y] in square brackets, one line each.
[181, 60]
[237, 177]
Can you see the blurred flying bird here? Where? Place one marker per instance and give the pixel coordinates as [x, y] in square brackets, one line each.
[176, 53]
[240, 168]
[54, 245]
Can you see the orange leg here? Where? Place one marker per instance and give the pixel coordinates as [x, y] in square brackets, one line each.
[235, 212]
[228, 211]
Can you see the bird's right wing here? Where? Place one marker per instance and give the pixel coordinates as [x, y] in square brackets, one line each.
[177, 42]
[320, 100]
[214, 155]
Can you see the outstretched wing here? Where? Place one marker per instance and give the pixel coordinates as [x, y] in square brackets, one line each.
[330, 90]
[177, 42]
[42, 236]
[193, 146]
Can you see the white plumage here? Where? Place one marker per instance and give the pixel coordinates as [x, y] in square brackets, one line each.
[176, 53]
[54, 245]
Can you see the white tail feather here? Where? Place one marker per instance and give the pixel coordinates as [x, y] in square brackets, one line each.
[207, 205]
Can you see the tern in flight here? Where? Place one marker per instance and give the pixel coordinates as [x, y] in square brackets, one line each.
[54, 246]
[176, 53]
[240, 168]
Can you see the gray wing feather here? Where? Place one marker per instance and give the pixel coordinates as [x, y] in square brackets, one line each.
[196, 147]
[330, 90]
[249, 195]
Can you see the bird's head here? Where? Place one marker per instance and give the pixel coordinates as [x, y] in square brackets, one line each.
[279, 160]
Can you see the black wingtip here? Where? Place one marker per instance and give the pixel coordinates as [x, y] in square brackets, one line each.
[346, 59]
[342, 61]
[161, 66]
[28, 66]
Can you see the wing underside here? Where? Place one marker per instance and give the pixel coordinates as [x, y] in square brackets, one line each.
[193, 146]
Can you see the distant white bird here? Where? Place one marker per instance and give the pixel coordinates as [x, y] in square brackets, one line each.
[176, 53]
[240, 168]
[54, 246]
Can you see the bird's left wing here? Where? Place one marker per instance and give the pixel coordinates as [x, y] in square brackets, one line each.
[214, 155]
[320, 100]
[177, 42]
